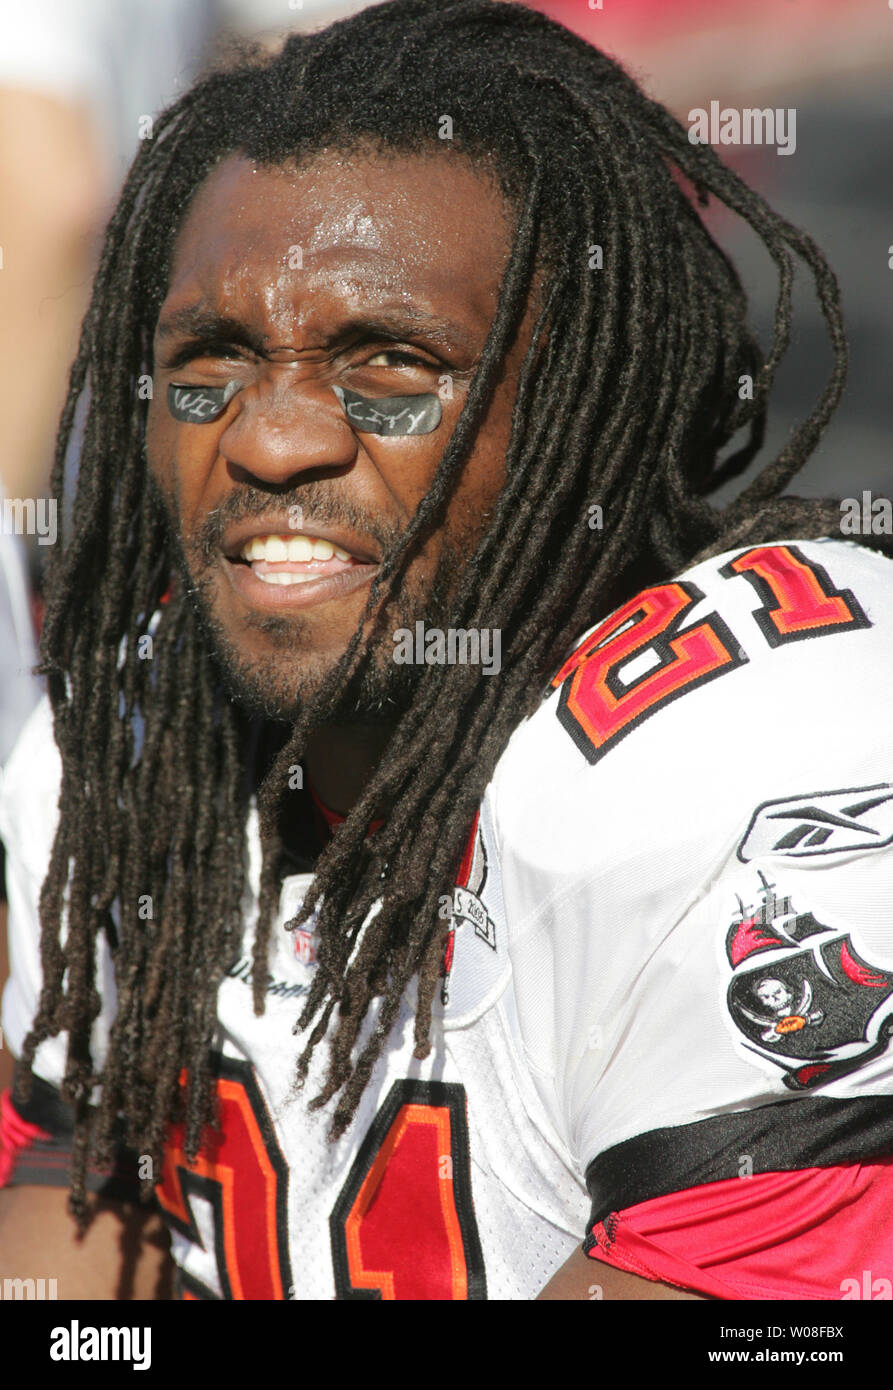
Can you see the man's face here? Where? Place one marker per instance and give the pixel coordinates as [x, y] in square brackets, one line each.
[378, 274]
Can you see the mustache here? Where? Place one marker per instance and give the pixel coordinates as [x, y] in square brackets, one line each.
[312, 501]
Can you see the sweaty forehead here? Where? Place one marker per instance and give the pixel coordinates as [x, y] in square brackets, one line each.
[284, 246]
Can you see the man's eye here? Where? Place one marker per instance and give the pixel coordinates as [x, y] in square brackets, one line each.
[397, 359]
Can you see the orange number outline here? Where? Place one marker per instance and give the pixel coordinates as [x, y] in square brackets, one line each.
[596, 709]
[798, 596]
[215, 1180]
[439, 1106]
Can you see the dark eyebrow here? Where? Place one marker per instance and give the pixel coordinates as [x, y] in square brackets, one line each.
[197, 322]
[201, 324]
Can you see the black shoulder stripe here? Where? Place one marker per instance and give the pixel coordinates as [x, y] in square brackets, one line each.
[810, 1132]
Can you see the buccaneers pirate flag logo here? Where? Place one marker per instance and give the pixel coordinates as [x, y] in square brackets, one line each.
[802, 995]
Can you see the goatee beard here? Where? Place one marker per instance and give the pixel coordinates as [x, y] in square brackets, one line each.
[379, 692]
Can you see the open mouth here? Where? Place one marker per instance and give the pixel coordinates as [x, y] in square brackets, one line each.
[278, 569]
[294, 559]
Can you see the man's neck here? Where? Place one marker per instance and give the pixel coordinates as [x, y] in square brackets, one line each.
[340, 760]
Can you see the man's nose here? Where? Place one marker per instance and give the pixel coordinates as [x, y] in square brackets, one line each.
[287, 425]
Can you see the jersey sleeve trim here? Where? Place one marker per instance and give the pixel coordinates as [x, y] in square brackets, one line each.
[815, 1233]
[808, 1132]
[36, 1148]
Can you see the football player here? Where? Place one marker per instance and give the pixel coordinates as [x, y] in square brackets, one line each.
[453, 861]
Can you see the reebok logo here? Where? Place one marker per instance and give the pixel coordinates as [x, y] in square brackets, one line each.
[838, 822]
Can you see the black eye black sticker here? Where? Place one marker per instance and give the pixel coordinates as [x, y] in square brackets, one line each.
[390, 414]
[195, 405]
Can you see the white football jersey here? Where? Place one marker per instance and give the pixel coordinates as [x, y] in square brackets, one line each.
[670, 945]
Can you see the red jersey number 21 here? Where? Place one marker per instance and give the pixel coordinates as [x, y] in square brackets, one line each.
[644, 655]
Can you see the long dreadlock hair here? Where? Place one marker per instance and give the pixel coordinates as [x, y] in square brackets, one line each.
[626, 397]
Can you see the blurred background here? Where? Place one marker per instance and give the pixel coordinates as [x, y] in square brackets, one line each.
[833, 63]
[80, 79]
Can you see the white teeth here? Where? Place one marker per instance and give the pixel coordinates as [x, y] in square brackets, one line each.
[276, 550]
[287, 577]
[300, 549]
